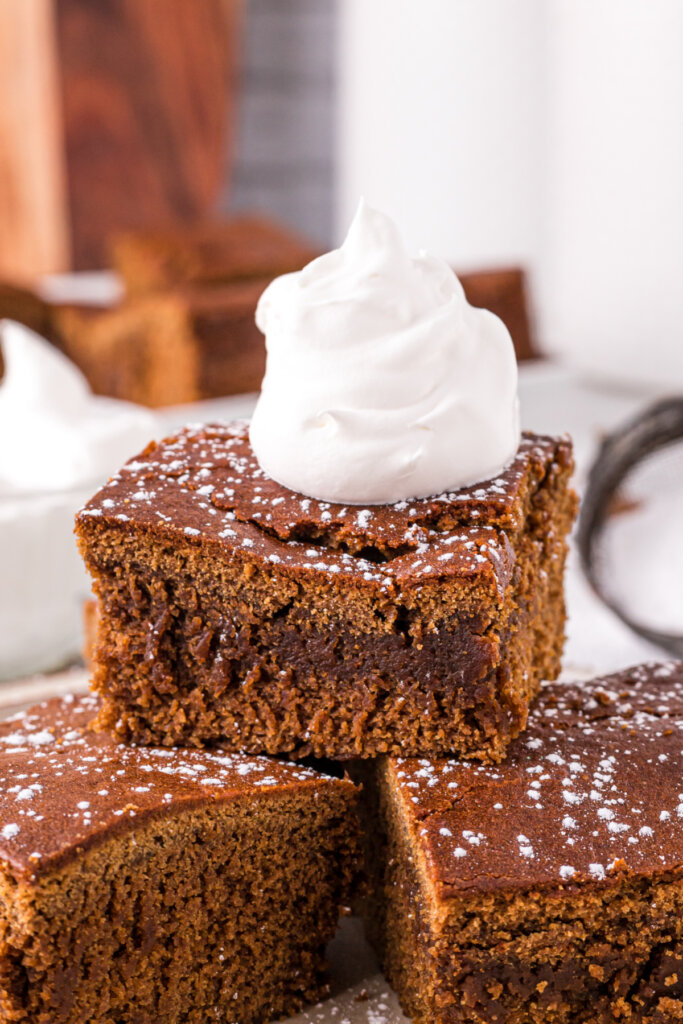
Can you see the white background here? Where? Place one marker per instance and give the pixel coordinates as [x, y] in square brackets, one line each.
[544, 132]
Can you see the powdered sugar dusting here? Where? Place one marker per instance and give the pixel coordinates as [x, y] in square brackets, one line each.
[592, 789]
[209, 481]
[62, 785]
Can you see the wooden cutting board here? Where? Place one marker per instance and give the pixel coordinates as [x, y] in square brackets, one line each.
[115, 114]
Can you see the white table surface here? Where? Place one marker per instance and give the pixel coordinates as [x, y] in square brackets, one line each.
[553, 400]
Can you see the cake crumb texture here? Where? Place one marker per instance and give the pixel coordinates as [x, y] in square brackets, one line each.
[548, 889]
[233, 609]
[146, 885]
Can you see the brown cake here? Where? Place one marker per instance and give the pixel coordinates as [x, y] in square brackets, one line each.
[141, 886]
[548, 889]
[232, 608]
[171, 347]
[186, 330]
[209, 253]
[24, 306]
[506, 293]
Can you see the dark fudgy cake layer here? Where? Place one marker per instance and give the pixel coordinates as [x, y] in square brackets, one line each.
[548, 889]
[141, 885]
[233, 608]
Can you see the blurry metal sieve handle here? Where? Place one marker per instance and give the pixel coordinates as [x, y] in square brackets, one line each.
[657, 427]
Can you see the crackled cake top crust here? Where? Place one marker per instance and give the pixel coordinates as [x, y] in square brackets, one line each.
[594, 787]
[206, 483]
[63, 786]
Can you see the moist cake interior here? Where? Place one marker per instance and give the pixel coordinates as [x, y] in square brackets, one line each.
[233, 608]
[547, 889]
[139, 885]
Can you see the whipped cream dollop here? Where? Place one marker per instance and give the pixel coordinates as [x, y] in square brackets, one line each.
[382, 382]
[54, 433]
[58, 443]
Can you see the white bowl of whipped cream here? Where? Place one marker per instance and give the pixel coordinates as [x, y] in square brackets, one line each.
[58, 444]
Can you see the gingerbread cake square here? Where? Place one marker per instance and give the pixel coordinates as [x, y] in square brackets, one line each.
[548, 889]
[232, 608]
[209, 253]
[141, 885]
[169, 347]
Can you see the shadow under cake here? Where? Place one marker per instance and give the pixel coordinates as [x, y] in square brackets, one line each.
[547, 889]
[232, 608]
[140, 885]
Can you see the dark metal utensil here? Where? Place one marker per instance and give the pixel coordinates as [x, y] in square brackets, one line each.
[638, 473]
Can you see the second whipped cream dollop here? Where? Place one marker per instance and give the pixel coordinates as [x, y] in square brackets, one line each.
[54, 433]
[58, 442]
[382, 382]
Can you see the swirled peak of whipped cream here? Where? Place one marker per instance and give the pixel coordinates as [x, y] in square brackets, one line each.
[54, 433]
[382, 382]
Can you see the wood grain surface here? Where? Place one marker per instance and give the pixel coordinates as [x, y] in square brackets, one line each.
[114, 114]
[147, 90]
[33, 208]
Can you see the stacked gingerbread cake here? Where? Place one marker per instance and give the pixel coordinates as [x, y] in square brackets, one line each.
[233, 609]
[165, 856]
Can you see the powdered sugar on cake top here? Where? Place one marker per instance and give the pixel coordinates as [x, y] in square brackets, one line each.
[594, 787]
[206, 483]
[63, 785]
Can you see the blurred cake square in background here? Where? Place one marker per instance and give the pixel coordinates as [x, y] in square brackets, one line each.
[208, 253]
[185, 329]
[169, 347]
